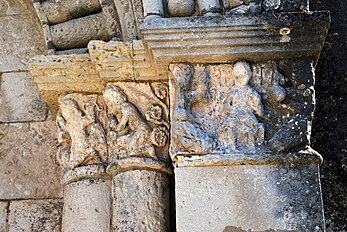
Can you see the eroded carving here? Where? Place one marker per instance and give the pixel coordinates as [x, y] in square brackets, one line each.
[185, 8]
[81, 137]
[130, 133]
[242, 104]
[98, 129]
[240, 108]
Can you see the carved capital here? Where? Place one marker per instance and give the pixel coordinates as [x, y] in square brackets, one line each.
[241, 108]
[128, 120]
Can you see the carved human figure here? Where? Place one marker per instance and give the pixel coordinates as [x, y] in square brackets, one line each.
[130, 131]
[186, 131]
[82, 140]
[241, 105]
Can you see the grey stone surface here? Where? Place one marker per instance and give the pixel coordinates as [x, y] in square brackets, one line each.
[153, 8]
[23, 39]
[259, 107]
[3, 216]
[180, 7]
[87, 206]
[76, 33]
[209, 6]
[257, 198]
[15, 7]
[141, 201]
[27, 161]
[35, 215]
[20, 100]
[61, 11]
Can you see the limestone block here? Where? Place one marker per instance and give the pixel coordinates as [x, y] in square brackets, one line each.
[15, 7]
[209, 6]
[27, 161]
[180, 8]
[153, 7]
[35, 215]
[78, 32]
[282, 197]
[127, 19]
[87, 205]
[3, 216]
[23, 40]
[141, 201]
[61, 11]
[20, 99]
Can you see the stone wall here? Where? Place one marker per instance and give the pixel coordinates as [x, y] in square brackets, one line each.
[30, 192]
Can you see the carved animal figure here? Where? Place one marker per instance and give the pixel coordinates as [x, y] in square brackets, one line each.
[131, 132]
[82, 140]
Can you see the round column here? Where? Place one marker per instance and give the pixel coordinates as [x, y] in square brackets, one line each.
[140, 194]
[87, 200]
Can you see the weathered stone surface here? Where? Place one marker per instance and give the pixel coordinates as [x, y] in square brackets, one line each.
[141, 201]
[225, 39]
[180, 7]
[20, 100]
[128, 19]
[258, 108]
[209, 6]
[138, 120]
[87, 206]
[76, 33]
[3, 216]
[16, 7]
[27, 161]
[81, 136]
[35, 215]
[249, 197]
[61, 11]
[127, 120]
[70, 25]
[153, 8]
[23, 40]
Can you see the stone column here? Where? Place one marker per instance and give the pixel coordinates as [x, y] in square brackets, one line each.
[138, 149]
[82, 154]
[140, 195]
[240, 145]
[87, 200]
[153, 8]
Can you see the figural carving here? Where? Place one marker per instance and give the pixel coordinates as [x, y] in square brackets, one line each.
[242, 104]
[238, 108]
[97, 129]
[81, 138]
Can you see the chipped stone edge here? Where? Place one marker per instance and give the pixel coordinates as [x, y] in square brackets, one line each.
[83, 172]
[307, 156]
[138, 163]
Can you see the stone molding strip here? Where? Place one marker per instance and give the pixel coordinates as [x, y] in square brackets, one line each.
[225, 39]
[303, 157]
[138, 163]
[88, 171]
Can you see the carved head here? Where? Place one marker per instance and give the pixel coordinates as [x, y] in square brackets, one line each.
[69, 107]
[242, 73]
[114, 95]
